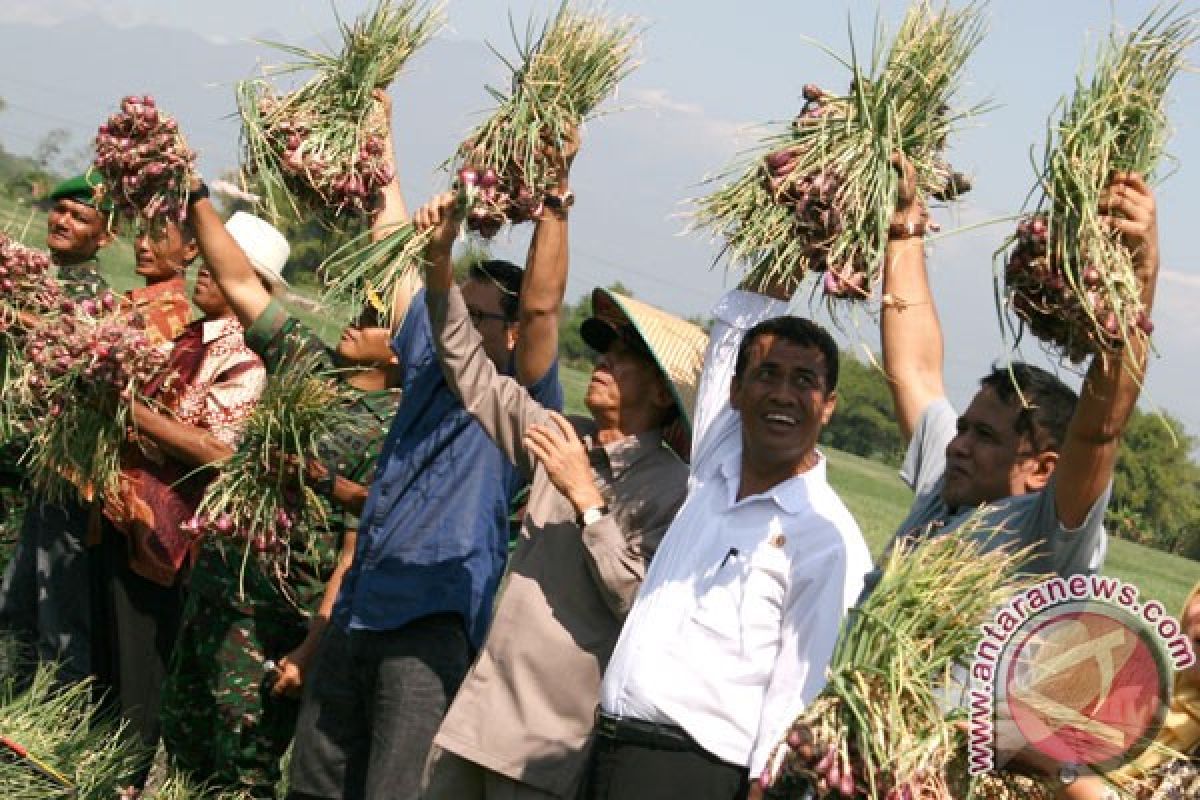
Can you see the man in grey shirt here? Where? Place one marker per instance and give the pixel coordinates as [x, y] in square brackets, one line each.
[1037, 459]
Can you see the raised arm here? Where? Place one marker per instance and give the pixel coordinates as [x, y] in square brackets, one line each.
[734, 314]
[545, 279]
[911, 332]
[1110, 390]
[392, 213]
[501, 405]
[230, 267]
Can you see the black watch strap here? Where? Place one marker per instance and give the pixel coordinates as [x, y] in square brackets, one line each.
[559, 202]
[199, 193]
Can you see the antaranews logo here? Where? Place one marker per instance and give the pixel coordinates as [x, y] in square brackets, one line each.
[1076, 669]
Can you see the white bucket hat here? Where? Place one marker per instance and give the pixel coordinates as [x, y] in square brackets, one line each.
[264, 245]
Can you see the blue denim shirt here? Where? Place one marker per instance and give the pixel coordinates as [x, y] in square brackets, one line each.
[433, 534]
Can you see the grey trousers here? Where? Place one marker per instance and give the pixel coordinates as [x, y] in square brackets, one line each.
[449, 777]
[372, 703]
[45, 595]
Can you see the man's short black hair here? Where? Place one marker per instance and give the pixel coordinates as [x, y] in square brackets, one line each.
[799, 331]
[505, 276]
[1047, 407]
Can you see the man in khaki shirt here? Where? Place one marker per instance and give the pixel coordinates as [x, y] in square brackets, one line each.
[603, 491]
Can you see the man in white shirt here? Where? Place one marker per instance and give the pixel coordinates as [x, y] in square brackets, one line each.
[735, 623]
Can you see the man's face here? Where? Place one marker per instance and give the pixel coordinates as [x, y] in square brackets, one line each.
[366, 346]
[782, 399]
[483, 299]
[988, 459]
[624, 378]
[208, 297]
[75, 231]
[162, 253]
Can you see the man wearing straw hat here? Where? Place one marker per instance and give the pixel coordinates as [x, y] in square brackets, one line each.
[602, 493]
[736, 621]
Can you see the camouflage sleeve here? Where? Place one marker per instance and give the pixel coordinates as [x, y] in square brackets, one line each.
[277, 336]
[354, 453]
[81, 281]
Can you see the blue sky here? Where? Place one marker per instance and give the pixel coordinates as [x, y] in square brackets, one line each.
[711, 72]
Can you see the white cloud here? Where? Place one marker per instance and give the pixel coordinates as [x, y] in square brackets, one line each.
[710, 128]
[1189, 279]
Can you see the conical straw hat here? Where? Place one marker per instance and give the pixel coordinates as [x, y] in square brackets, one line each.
[676, 345]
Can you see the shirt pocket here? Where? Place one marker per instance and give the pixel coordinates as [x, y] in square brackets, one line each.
[740, 612]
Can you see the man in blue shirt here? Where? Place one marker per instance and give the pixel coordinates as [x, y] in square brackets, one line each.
[432, 542]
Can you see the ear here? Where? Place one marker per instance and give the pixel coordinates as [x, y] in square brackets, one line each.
[1038, 470]
[511, 334]
[829, 406]
[191, 250]
[735, 393]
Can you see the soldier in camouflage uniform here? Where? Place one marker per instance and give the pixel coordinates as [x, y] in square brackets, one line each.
[227, 717]
[44, 598]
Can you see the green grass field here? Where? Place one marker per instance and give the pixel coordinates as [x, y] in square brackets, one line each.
[879, 501]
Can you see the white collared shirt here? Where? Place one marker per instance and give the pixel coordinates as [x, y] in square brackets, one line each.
[736, 620]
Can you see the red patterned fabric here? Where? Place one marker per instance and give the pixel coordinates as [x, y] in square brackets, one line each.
[219, 382]
[164, 307]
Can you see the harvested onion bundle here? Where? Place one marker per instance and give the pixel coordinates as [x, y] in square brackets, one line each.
[322, 148]
[26, 285]
[145, 162]
[502, 171]
[1066, 275]
[26, 282]
[818, 196]
[262, 499]
[57, 744]
[83, 370]
[576, 61]
[880, 709]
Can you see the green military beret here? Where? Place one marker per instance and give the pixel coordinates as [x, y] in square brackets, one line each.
[81, 188]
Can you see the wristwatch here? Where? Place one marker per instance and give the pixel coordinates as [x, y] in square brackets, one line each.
[559, 203]
[906, 230]
[199, 193]
[591, 515]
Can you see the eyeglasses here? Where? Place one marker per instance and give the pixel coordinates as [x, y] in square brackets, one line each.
[478, 315]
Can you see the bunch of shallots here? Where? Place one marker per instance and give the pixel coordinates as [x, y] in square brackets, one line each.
[818, 196]
[145, 161]
[267, 541]
[1067, 274]
[577, 60]
[504, 168]
[264, 499]
[1079, 311]
[83, 369]
[319, 169]
[321, 149]
[878, 728]
[26, 283]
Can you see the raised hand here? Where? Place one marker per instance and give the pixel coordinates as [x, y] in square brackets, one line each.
[559, 450]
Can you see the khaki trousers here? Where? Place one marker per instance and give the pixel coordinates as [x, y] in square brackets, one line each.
[448, 777]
